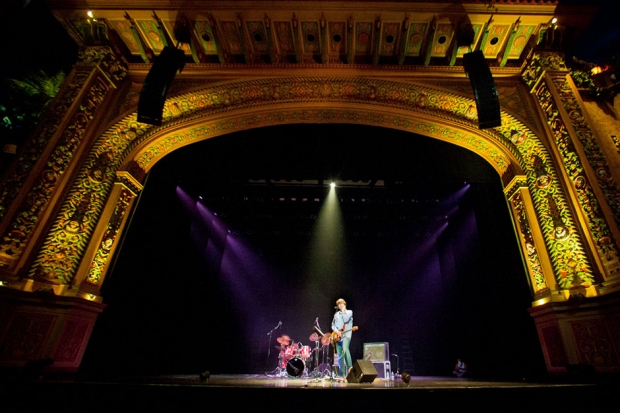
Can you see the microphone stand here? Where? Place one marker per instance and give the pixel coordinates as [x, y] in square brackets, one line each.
[270, 333]
[397, 375]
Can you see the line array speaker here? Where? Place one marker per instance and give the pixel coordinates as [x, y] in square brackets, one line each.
[485, 93]
[153, 94]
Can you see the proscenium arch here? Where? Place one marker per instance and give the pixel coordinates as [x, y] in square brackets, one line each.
[79, 252]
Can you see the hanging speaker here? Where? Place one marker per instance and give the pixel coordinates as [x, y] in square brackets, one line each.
[153, 94]
[363, 371]
[485, 93]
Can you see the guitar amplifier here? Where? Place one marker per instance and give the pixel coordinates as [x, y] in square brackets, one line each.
[384, 369]
[377, 351]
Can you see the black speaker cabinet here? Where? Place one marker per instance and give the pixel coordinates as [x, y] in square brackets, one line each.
[485, 93]
[156, 85]
[377, 351]
[363, 371]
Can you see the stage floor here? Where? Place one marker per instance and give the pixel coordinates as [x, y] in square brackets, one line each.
[192, 392]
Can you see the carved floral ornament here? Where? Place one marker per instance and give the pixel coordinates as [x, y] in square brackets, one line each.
[511, 148]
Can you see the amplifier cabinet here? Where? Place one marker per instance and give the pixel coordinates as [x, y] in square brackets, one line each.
[377, 351]
[384, 369]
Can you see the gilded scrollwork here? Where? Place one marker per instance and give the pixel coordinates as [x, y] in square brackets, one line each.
[493, 144]
[102, 256]
[104, 58]
[572, 163]
[27, 216]
[527, 240]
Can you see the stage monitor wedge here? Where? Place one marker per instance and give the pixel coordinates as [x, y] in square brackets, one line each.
[363, 371]
[485, 93]
[153, 94]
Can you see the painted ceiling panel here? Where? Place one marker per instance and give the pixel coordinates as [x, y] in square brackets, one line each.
[169, 27]
[204, 34]
[498, 34]
[477, 28]
[390, 33]
[415, 38]
[337, 37]
[522, 36]
[363, 38]
[311, 39]
[230, 35]
[442, 39]
[151, 34]
[123, 28]
[284, 37]
[258, 36]
[300, 32]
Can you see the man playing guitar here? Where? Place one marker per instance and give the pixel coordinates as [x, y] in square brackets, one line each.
[342, 327]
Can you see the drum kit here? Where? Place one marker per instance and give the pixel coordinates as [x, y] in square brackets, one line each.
[295, 358]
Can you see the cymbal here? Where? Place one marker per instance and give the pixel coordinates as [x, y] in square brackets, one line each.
[284, 340]
[278, 347]
[325, 339]
[314, 337]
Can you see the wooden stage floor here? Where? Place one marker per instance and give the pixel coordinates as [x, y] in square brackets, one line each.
[181, 393]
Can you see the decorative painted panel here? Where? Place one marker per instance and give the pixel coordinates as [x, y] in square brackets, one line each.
[151, 34]
[169, 27]
[26, 335]
[593, 342]
[71, 341]
[442, 39]
[258, 36]
[337, 37]
[495, 40]
[554, 346]
[123, 28]
[231, 36]
[206, 37]
[284, 36]
[415, 38]
[310, 37]
[522, 36]
[363, 38]
[477, 28]
[390, 33]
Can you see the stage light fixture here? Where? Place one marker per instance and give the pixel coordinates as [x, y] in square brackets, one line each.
[153, 94]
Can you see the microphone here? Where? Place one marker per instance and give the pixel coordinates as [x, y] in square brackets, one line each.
[336, 307]
[316, 321]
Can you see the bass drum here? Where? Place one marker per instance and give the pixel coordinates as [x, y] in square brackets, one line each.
[295, 367]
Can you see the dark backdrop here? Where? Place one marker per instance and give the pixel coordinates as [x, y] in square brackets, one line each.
[433, 295]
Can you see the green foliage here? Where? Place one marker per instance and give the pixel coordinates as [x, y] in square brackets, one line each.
[23, 100]
[584, 80]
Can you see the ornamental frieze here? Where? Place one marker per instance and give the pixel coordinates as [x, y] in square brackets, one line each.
[597, 225]
[450, 117]
[591, 148]
[19, 231]
[527, 240]
[110, 237]
[105, 59]
[35, 146]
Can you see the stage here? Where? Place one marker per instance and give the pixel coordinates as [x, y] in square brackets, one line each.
[206, 392]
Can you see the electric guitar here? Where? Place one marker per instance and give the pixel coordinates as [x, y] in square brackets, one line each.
[335, 339]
